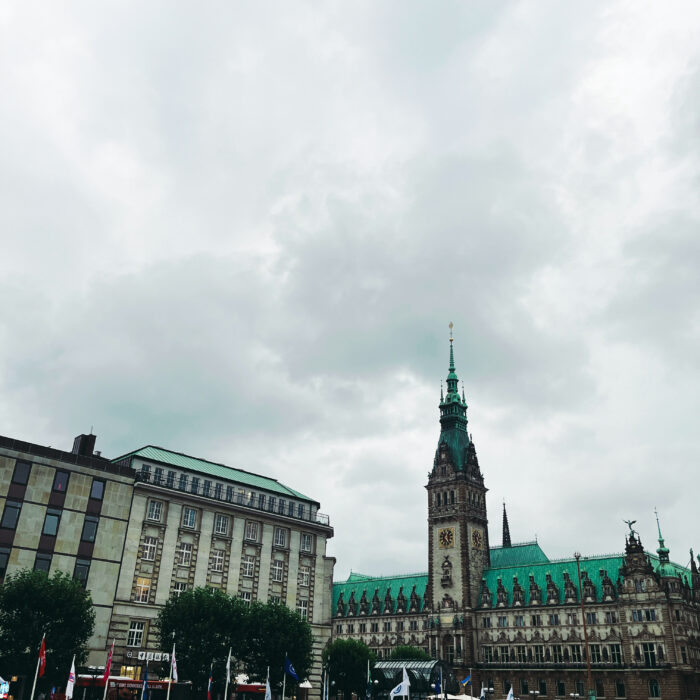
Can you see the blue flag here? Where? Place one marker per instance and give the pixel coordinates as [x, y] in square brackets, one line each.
[467, 680]
[438, 686]
[288, 668]
[144, 692]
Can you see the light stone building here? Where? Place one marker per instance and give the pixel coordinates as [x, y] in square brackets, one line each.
[198, 523]
[65, 511]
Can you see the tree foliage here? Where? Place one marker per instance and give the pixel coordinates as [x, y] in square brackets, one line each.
[408, 653]
[346, 661]
[205, 623]
[33, 604]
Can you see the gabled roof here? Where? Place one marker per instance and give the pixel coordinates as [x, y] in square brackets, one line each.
[358, 583]
[518, 554]
[214, 469]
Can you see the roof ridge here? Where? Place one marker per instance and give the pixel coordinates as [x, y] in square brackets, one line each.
[515, 544]
[368, 577]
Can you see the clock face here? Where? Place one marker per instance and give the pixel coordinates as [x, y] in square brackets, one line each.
[477, 540]
[446, 537]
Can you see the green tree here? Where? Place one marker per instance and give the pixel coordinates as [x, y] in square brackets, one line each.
[274, 630]
[346, 661]
[408, 653]
[33, 604]
[203, 623]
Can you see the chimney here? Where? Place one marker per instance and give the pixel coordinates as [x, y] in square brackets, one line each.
[84, 445]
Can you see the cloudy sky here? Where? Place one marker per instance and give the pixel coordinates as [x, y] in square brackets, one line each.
[240, 230]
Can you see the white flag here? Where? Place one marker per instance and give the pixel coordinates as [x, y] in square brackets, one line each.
[228, 667]
[173, 665]
[483, 693]
[401, 688]
[510, 694]
[71, 681]
[268, 693]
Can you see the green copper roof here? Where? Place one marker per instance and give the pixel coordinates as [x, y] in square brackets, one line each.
[220, 471]
[358, 583]
[517, 555]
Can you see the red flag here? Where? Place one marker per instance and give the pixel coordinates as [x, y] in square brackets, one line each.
[108, 665]
[42, 657]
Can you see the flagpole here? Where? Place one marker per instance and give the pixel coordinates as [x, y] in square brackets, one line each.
[72, 666]
[108, 670]
[36, 673]
[284, 676]
[228, 673]
[170, 675]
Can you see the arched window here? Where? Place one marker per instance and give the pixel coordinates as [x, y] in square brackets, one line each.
[654, 691]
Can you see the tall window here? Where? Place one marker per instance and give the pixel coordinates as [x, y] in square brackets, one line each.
[306, 542]
[42, 562]
[155, 510]
[554, 619]
[543, 687]
[303, 610]
[97, 490]
[229, 493]
[304, 576]
[4, 559]
[217, 491]
[143, 589]
[149, 548]
[170, 482]
[51, 521]
[271, 504]
[519, 621]
[649, 654]
[591, 618]
[194, 484]
[60, 481]
[21, 473]
[158, 475]
[576, 653]
[89, 528]
[599, 689]
[561, 688]
[82, 571]
[300, 510]
[182, 482]
[248, 564]
[207, 487]
[217, 560]
[251, 531]
[10, 515]
[539, 653]
[620, 691]
[185, 554]
[579, 688]
[277, 570]
[280, 537]
[135, 636]
[179, 587]
[611, 617]
[221, 524]
[189, 517]
[556, 654]
[616, 653]
[280, 506]
[595, 653]
[654, 690]
[246, 597]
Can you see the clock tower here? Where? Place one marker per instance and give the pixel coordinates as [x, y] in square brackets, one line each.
[458, 541]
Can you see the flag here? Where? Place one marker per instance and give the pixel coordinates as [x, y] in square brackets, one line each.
[510, 694]
[144, 689]
[268, 692]
[438, 685]
[228, 667]
[71, 681]
[288, 668]
[211, 682]
[42, 657]
[401, 688]
[467, 680]
[483, 694]
[368, 690]
[173, 665]
[108, 665]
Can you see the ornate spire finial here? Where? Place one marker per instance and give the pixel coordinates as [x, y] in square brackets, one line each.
[658, 526]
[441, 397]
[452, 354]
[506, 529]
[663, 550]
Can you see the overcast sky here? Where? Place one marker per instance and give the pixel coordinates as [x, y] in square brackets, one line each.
[240, 230]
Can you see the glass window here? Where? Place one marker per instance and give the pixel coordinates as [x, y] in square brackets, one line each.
[524, 687]
[97, 490]
[155, 510]
[189, 517]
[595, 653]
[280, 506]
[148, 552]
[290, 508]
[21, 473]
[229, 493]
[300, 510]
[280, 537]
[620, 691]
[303, 610]
[4, 559]
[184, 554]
[543, 687]
[135, 636]
[246, 596]
[649, 655]
[179, 587]
[306, 542]
[217, 491]
[616, 653]
[81, 571]
[304, 576]
[182, 483]
[277, 570]
[194, 484]
[654, 690]
[579, 688]
[277, 600]
[90, 528]
[170, 482]
[60, 481]
[251, 531]
[271, 504]
[158, 475]
[207, 487]
[556, 654]
[561, 688]
[261, 501]
[221, 524]
[143, 589]
[576, 653]
[51, 521]
[42, 562]
[217, 560]
[599, 689]
[10, 515]
[248, 565]
[590, 618]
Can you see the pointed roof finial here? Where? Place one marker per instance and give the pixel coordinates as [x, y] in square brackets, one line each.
[441, 396]
[452, 354]
[506, 529]
[663, 550]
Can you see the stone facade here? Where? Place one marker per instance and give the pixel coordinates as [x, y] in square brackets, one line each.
[65, 511]
[510, 616]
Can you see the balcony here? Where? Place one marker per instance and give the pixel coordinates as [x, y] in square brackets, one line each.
[223, 493]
